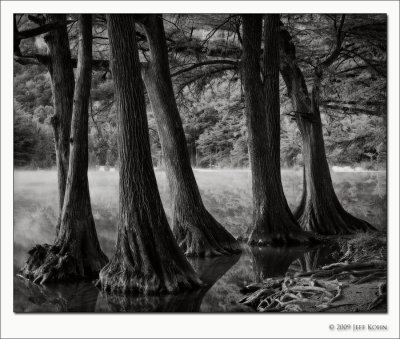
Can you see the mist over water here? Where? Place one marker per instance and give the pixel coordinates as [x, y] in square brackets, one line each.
[226, 193]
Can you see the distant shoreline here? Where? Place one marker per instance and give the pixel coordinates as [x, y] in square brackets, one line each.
[297, 169]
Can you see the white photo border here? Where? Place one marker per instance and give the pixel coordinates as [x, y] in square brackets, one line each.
[194, 325]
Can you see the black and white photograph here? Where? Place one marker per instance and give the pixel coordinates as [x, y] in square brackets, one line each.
[201, 163]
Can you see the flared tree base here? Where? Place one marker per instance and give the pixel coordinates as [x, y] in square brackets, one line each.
[51, 264]
[331, 220]
[204, 237]
[121, 276]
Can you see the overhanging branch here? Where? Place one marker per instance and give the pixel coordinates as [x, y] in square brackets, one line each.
[36, 59]
[30, 33]
[205, 63]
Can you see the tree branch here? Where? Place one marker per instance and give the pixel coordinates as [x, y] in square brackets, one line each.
[358, 55]
[35, 59]
[336, 52]
[198, 77]
[205, 63]
[352, 110]
[30, 33]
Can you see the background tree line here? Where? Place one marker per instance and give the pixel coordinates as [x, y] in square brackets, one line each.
[210, 98]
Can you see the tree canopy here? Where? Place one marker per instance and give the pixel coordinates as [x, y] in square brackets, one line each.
[204, 56]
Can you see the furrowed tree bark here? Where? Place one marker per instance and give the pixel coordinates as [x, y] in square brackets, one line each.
[76, 252]
[320, 210]
[147, 259]
[62, 82]
[273, 222]
[196, 230]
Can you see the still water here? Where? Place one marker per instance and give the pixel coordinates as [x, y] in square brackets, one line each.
[223, 277]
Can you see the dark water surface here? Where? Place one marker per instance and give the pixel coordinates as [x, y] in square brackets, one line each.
[223, 278]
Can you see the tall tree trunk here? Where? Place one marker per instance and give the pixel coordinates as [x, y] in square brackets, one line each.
[197, 232]
[273, 221]
[76, 252]
[147, 258]
[62, 81]
[320, 210]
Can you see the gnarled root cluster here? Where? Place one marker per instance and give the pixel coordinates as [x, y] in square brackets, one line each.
[50, 264]
[293, 295]
[313, 291]
[358, 272]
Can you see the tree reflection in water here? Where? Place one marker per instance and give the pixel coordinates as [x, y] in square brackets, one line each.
[274, 261]
[210, 271]
[72, 297]
[318, 257]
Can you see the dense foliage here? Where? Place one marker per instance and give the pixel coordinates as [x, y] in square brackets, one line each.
[210, 98]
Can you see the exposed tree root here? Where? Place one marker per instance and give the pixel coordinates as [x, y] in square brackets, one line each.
[373, 276]
[293, 295]
[50, 264]
[365, 248]
[204, 237]
[381, 298]
[75, 255]
[310, 291]
[331, 270]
